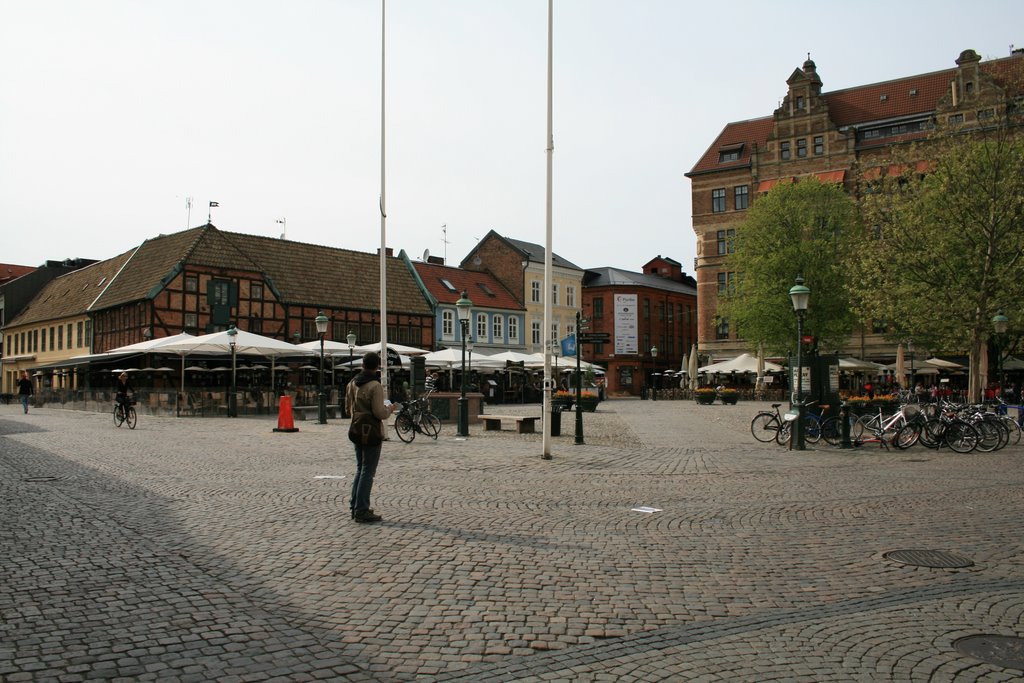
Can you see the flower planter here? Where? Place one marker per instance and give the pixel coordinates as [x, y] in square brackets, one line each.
[588, 405]
[704, 399]
[729, 400]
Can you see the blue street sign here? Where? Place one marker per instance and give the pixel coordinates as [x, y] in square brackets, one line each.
[569, 345]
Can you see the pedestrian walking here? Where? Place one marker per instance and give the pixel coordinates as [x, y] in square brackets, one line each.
[366, 396]
[25, 390]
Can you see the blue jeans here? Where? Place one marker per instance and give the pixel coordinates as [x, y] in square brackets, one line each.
[24, 402]
[367, 458]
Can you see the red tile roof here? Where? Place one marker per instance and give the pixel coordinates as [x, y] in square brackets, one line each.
[858, 105]
[9, 271]
[483, 289]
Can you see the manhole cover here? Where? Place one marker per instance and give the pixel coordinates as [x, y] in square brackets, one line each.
[40, 479]
[938, 559]
[1004, 651]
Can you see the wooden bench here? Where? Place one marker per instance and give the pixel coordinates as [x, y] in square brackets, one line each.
[301, 412]
[524, 425]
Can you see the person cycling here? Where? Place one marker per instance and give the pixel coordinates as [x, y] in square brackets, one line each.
[124, 392]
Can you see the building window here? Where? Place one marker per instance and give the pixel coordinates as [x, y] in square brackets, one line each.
[718, 200]
[722, 284]
[535, 292]
[481, 327]
[784, 151]
[647, 309]
[191, 321]
[191, 283]
[741, 197]
[570, 296]
[661, 310]
[725, 240]
[448, 324]
[986, 114]
[256, 292]
[554, 334]
[799, 101]
[554, 294]
[52, 339]
[513, 329]
[598, 308]
[722, 329]
[81, 334]
[819, 145]
[956, 119]
[220, 293]
[727, 155]
[88, 334]
[801, 147]
[535, 332]
[498, 329]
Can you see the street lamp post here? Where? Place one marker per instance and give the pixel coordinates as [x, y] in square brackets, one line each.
[1000, 322]
[321, 329]
[654, 368]
[351, 339]
[232, 396]
[463, 306]
[800, 296]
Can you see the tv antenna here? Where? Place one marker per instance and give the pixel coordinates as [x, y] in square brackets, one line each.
[444, 240]
[284, 230]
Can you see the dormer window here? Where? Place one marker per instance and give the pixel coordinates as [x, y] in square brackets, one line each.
[448, 285]
[799, 102]
[730, 153]
[969, 87]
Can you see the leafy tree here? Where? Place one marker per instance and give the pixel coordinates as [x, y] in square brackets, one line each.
[803, 228]
[947, 245]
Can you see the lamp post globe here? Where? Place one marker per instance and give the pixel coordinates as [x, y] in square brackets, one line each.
[232, 395]
[462, 307]
[800, 295]
[321, 321]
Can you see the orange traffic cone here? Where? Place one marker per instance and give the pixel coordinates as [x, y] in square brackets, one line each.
[285, 421]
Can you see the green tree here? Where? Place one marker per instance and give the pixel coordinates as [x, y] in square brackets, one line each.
[946, 246]
[804, 228]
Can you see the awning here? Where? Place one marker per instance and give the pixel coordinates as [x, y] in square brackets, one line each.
[832, 176]
[766, 185]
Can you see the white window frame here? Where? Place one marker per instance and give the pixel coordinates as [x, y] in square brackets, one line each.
[570, 296]
[535, 292]
[497, 328]
[554, 293]
[535, 333]
[481, 327]
[513, 329]
[448, 324]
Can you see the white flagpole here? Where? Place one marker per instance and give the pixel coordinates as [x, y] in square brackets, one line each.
[383, 227]
[546, 336]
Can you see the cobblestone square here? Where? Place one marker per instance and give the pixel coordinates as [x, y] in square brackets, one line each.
[215, 549]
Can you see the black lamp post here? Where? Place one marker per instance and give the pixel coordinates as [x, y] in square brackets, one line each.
[800, 295]
[232, 396]
[654, 369]
[463, 306]
[351, 339]
[321, 329]
[1000, 322]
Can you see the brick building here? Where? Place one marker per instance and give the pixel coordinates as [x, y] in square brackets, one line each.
[519, 266]
[840, 137]
[654, 308]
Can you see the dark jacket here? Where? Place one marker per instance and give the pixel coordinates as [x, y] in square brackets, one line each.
[25, 387]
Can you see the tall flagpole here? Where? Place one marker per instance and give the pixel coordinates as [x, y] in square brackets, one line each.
[546, 438]
[383, 227]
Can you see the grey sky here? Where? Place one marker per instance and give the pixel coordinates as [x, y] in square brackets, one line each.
[113, 111]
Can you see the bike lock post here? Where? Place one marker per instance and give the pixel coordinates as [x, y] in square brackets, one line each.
[844, 419]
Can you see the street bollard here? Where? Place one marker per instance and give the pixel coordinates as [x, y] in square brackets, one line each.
[844, 423]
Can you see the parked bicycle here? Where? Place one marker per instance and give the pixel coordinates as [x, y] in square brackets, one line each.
[766, 425]
[415, 417]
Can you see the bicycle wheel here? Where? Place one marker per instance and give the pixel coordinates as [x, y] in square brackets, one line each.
[764, 427]
[812, 429]
[960, 437]
[132, 418]
[906, 436]
[831, 431]
[1013, 428]
[931, 433]
[785, 433]
[430, 425]
[864, 423]
[405, 428]
[990, 437]
[118, 415]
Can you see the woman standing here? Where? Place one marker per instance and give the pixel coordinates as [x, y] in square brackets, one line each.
[365, 395]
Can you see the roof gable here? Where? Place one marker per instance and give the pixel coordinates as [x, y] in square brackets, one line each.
[73, 293]
[483, 289]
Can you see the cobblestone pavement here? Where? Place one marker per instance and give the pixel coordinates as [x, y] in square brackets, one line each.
[216, 549]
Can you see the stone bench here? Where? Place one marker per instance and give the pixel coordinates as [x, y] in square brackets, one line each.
[524, 424]
[302, 412]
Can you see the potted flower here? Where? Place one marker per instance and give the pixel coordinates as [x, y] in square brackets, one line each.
[705, 396]
[729, 396]
[563, 399]
[588, 401]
